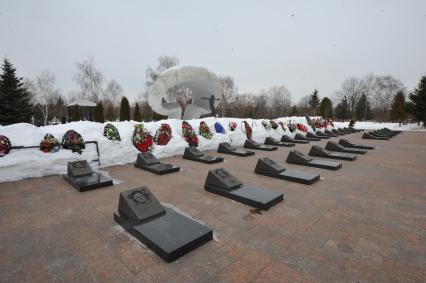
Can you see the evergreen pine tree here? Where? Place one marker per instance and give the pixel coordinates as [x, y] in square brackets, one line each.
[99, 112]
[137, 113]
[110, 112]
[76, 114]
[124, 109]
[417, 105]
[362, 109]
[15, 99]
[314, 101]
[398, 108]
[342, 109]
[326, 108]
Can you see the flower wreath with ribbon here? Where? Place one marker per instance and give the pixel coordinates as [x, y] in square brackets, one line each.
[49, 144]
[189, 134]
[274, 124]
[111, 132]
[163, 134]
[205, 130]
[4, 145]
[142, 138]
[232, 125]
[73, 141]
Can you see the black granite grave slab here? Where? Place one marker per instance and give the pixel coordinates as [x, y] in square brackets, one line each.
[350, 130]
[385, 134]
[333, 146]
[318, 151]
[322, 135]
[268, 167]
[391, 131]
[304, 138]
[336, 132]
[272, 141]
[372, 137]
[298, 158]
[166, 232]
[330, 133]
[226, 148]
[356, 130]
[194, 154]
[313, 136]
[221, 182]
[251, 144]
[147, 161]
[81, 176]
[347, 143]
[286, 138]
[340, 130]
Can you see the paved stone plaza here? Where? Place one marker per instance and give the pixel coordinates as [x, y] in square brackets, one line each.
[363, 223]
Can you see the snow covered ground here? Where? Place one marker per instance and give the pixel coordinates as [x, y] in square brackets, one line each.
[27, 163]
[376, 125]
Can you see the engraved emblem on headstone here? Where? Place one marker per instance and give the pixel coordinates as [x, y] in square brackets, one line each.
[140, 196]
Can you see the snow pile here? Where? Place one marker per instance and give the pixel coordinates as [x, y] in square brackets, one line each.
[27, 163]
[376, 125]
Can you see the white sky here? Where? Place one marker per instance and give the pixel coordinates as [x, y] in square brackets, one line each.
[300, 44]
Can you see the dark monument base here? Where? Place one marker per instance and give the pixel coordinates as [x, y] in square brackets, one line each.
[229, 149]
[347, 143]
[272, 141]
[169, 236]
[87, 183]
[159, 168]
[304, 138]
[330, 133]
[336, 132]
[312, 136]
[369, 136]
[147, 161]
[251, 144]
[221, 182]
[298, 158]
[320, 152]
[322, 135]
[333, 146]
[286, 138]
[270, 168]
[192, 153]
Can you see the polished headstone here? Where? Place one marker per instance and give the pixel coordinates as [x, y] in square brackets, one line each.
[82, 177]
[318, 151]
[330, 133]
[272, 141]
[286, 138]
[80, 168]
[221, 182]
[333, 146]
[139, 205]
[296, 157]
[322, 135]
[268, 167]
[226, 148]
[347, 143]
[373, 137]
[147, 161]
[194, 154]
[251, 144]
[312, 136]
[163, 230]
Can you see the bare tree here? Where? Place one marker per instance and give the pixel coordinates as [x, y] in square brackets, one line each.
[44, 93]
[113, 92]
[385, 89]
[352, 90]
[89, 79]
[280, 99]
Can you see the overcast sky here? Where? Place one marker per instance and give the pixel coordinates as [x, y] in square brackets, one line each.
[300, 44]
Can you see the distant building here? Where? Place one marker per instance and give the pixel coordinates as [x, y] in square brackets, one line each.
[87, 109]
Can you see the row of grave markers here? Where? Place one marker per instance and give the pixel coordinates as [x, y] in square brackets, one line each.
[169, 233]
